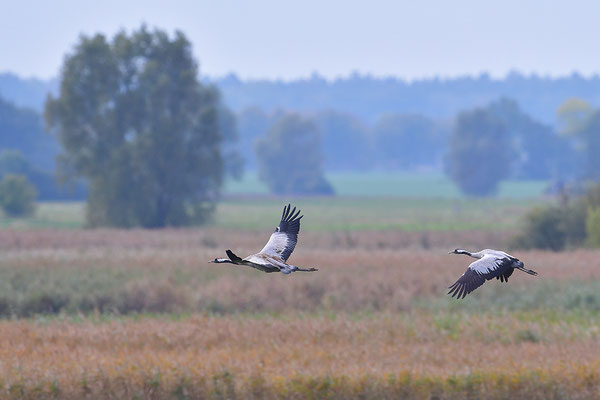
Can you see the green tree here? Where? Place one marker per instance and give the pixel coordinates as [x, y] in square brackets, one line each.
[544, 229]
[573, 115]
[289, 158]
[135, 121]
[540, 152]
[345, 141]
[23, 130]
[578, 120]
[233, 161]
[17, 195]
[592, 227]
[407, 141]
[47, 188]
[252, 124]
[480, 153]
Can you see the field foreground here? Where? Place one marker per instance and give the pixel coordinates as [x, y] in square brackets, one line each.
[441, 355]
[141, 314]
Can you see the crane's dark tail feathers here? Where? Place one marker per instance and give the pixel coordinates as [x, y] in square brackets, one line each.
[233, 257]
[529, 271]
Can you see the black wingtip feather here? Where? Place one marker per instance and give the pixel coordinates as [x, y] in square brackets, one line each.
[456, 292]
[290, 214]
[295, 216]
[453, 289]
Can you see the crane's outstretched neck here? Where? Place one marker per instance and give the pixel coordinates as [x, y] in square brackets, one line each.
[233, 259]
[221, 261]
[461, 251]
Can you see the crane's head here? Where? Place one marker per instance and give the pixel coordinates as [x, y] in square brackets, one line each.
[219, 260]
[459, 251]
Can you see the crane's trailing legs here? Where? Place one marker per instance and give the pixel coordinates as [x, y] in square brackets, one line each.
[521, 267]
[288, 269]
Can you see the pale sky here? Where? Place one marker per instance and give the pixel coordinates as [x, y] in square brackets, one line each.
[292, 39]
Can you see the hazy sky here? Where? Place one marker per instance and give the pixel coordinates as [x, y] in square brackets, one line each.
[285, 39]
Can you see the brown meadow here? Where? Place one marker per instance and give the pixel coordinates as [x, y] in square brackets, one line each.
[282, 357]
[373, 322]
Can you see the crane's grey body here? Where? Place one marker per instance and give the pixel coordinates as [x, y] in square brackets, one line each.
[273, 257]
[490, 264]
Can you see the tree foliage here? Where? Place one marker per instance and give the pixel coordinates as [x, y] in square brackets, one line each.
[480, 152]
[345, 141]
[289, 158]
[14, 162]
[17, 195]
[252, 124]
[367, 97]
[577, 119]
[573, 115]
[557, 227]
[407, 141]
[232, 159]
[592, 227]
[540, 153]
[23, 130]
[134, 120]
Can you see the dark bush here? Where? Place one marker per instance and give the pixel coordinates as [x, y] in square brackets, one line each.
[544, 229]
[152, 297]
[17, 195]
[557, 227]
[5, 307]
[44, 303]
[102, 303]
[592, 227]
[573, 220]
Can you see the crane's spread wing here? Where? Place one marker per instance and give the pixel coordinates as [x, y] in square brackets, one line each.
[284, 239]
[486, 268]
[504, 276]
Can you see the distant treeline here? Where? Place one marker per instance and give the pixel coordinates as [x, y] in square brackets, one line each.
[368, 97]
[414, 142]
[27, 149]
[28, 93]
[364, 123]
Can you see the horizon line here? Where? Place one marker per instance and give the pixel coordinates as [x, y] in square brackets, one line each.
[356, 74]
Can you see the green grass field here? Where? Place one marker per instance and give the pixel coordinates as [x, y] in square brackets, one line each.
[375, 202]
[328, 214]
[392, 184]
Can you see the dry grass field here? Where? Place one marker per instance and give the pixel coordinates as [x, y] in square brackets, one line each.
[438, 355]
[141, 314]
